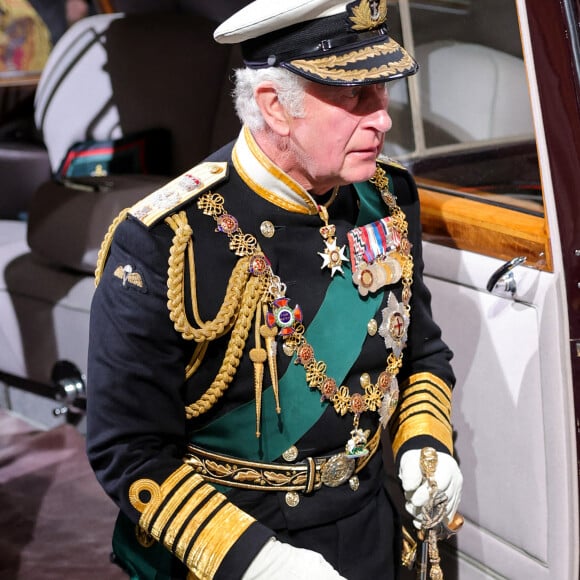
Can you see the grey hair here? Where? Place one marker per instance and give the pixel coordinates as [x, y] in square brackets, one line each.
[290, 88]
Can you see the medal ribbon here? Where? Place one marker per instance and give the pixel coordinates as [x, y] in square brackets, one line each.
[367, 243]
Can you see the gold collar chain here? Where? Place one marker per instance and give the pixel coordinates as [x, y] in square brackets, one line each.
[381, 396]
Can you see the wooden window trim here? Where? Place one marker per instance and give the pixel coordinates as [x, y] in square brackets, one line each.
[477, 226]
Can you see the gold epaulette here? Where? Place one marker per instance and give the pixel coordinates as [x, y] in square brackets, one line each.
[165, 201]
[390, 162]
[172, 196]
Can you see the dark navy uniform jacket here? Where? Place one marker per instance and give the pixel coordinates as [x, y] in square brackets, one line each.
[137, 390]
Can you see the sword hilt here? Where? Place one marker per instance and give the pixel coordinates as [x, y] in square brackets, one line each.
[441, 530]
[428, 463]
[434, 527]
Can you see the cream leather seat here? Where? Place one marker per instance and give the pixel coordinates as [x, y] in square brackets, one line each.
[468, 92]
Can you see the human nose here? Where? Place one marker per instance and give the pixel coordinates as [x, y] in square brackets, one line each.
[378, 115]
[384, 121]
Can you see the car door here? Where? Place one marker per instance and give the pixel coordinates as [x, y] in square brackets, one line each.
[490, 127]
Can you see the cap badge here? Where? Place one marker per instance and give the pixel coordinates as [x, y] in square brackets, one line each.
[367, 14]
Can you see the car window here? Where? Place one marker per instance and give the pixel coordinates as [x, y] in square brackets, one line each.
[463, 124]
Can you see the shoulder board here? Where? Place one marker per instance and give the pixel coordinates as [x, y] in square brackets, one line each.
[172, 196]
[392, 163]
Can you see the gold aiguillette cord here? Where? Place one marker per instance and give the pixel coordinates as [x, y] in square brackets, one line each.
[258, 355]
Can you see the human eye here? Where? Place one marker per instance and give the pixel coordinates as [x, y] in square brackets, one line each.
[354, 92]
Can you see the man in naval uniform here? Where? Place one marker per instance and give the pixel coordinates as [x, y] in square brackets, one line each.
[262, 319]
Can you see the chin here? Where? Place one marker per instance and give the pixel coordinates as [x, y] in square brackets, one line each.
[361, 173]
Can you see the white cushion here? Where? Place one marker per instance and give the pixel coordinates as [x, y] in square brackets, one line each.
[469, 91]
[474, 92]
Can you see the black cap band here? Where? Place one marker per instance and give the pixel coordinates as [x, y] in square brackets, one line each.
[305, 40]
[325, 46]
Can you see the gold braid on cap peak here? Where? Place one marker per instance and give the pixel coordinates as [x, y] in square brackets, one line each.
[424, 409]
[242, 300]
[190, 518]
[325, 67]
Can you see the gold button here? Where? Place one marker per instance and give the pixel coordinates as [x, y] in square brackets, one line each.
[290, 454]
[144, 538]
[267, 228]
[354, 483]
[372, 327]
[292, 498]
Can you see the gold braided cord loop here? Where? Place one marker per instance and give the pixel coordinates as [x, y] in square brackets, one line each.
[223, 321]
[251, 298]
[196, 359]
[243, 296]
[106, 244]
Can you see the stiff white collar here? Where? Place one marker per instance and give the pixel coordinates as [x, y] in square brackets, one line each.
[267, 179]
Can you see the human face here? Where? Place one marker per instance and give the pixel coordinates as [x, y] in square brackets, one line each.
[338, 138]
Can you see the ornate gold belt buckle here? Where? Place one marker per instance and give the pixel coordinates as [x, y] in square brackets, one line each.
[337, 470]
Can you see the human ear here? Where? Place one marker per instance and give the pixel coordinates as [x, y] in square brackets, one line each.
[274, 113]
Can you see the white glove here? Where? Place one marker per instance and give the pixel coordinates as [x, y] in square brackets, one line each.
[447, 475]
[279, 561]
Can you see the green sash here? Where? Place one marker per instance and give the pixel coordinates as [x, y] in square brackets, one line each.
[337, 344]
